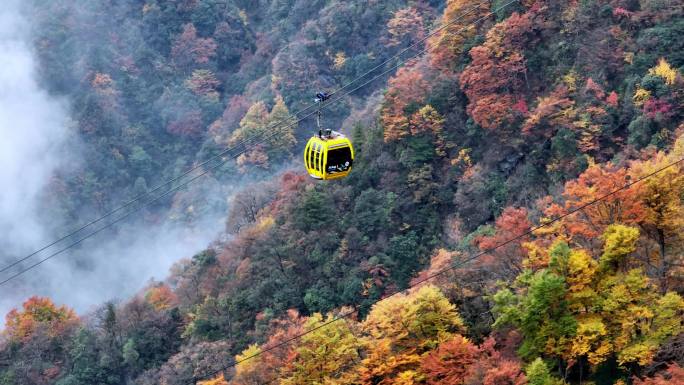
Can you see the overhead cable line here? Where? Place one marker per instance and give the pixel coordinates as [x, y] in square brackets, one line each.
[131, 202]
[124, 216]
[167, 192]
[246, 141]
[274, 133]
[453, 266]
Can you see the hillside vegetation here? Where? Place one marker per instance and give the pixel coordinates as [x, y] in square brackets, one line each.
[501, 125]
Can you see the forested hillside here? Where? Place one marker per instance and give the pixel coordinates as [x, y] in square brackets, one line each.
[516, 114]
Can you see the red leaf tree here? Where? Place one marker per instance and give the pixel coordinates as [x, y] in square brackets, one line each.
[406, 92]
[450, 362]
[493, 82]
[189, 49]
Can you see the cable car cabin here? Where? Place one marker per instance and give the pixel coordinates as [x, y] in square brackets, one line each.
[329, 156]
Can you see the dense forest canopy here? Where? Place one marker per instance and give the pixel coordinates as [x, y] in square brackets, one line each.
[512, 115]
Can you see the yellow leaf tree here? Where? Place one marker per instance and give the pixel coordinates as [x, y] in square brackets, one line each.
[400, 329]
[273, 131]
[220, 380]
[661, 195]
[325, 355]
[248, 370]
[594, 307]
[665, 71]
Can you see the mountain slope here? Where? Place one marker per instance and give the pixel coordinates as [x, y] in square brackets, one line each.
[538, 109]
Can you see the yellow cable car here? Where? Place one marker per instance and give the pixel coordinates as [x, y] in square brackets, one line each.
[329, 155]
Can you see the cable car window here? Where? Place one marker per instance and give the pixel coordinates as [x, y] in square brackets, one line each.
[311, 155]
[339, 160]
[317, 163]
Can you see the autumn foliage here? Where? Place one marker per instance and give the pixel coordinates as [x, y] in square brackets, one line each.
[189, 49]
[220, 380]
[406, 92]
[673, 375]
[161, 297]
[410, 339]
[459, 21]
[406, 27]
[495, 78]
[618, 205]
[276, 126]
[514, 115]
[39, 314]
[506, 260]
[450, 362]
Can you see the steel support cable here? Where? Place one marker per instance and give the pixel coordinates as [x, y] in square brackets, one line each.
[244, 142]
[459, 263]
[424, 39]
[134, 200]
[117, 220]
[167, 192]
[453, 266]
[347, 314]
[127, 214]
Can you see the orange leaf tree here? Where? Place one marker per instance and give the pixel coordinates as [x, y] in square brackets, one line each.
[448, 44]
[406, 93]
[597, 181]
[458, 361]
[220, 380]
[661, 195]
[502, 256]
[38, 312]
[161, 297]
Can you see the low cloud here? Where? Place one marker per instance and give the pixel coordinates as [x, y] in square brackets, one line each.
[36, 142]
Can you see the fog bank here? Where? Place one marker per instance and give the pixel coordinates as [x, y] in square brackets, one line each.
[35, 142]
